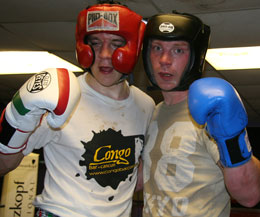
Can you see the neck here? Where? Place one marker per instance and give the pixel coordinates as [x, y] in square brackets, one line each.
[174, 97]
[119, 91]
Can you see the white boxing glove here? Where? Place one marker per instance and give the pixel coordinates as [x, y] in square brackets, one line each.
[55, 91]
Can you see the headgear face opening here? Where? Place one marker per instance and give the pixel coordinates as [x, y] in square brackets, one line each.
[114, 19]
[178, 27]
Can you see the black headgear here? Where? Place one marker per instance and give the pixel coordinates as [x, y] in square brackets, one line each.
[178, 27]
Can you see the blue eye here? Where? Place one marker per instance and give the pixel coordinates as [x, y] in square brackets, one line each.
[178, 50]
[156, 48]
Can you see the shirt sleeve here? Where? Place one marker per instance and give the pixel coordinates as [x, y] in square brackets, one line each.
[211, 146]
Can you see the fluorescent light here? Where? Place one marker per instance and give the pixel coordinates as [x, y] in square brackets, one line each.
[24, 62]
[234, 58]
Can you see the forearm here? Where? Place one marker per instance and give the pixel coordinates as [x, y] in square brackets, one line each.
[139, 183]
[243, 182]
[9, 162]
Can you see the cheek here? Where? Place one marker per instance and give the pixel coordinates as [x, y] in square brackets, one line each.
[153, 60]
[182, 67]
[94, 65]
[184, 62]
[94, 68]
[155, 65]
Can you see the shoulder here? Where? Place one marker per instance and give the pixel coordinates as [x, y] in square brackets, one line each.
[81, 77]
[142, 96]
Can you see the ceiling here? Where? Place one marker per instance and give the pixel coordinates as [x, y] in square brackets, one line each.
[50, 25]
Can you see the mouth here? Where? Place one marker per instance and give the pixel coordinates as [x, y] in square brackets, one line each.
[105, 69]
[165, 75]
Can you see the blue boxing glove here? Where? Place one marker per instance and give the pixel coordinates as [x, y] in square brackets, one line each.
[215, 102]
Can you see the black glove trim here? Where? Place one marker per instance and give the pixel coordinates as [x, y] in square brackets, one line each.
[6, 130]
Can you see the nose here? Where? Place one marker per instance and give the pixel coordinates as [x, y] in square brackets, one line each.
[165, 59]
[105, 52]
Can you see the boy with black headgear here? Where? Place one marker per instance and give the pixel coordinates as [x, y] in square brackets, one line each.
[185, 172]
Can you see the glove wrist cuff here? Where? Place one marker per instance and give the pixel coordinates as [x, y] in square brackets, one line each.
[11, 150]
[236, 151]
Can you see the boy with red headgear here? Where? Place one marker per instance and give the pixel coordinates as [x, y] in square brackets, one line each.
[92, 159]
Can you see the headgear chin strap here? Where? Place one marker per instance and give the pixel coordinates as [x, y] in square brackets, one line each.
[178, 27]
[114, 19]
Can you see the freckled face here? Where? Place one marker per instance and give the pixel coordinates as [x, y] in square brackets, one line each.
[169, 60]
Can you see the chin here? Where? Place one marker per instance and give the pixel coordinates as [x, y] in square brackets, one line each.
[167, 87]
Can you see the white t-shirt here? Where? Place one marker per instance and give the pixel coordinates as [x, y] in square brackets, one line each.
[92, 161]
[181, 177]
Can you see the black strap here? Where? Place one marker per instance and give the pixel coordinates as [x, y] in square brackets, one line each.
[6, 130]
[234, 149]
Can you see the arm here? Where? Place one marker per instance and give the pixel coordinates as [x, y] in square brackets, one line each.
[243, 182]
[9, 162]
[55, 91]
[214, 102]
[139, 183]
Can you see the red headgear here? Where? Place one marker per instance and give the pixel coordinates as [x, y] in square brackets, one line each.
[113, 19]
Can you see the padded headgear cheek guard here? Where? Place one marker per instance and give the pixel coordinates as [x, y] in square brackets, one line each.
[113, 19]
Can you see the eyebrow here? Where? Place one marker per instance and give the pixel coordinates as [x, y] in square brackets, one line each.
[178, 43]
[182, 44]
[119, 40]
[91, 37]
[114, 39]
